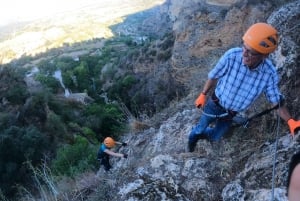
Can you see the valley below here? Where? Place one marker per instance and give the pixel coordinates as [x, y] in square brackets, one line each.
[80, 21]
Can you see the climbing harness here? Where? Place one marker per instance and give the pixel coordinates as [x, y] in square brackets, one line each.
[241, 120]
[214, 115]
[215, 99]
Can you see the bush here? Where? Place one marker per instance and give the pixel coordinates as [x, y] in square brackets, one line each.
[106, 119]
[17, 94]
[49, 82]
[12, 85]
[69, 79]
[82, 76]
[128, 81]
[46, 67]
[17, 146]
[55, 126]
[34, 112]
[74, 159]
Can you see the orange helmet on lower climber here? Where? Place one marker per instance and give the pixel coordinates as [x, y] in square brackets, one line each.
[109, 142]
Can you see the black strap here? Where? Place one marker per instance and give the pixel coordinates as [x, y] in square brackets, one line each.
[263, 112]
[245, 123]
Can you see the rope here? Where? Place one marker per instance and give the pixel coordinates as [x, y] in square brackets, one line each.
[275, 157]
[214, 115]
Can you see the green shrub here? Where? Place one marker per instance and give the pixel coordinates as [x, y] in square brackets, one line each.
[35, 112]
[82, 76]
[65, 63]
[69, 79]
[90, 134]
[49, 82]
[46, 67]
[18, 145]
[128, 81]
[106, 119]
[17, 94]
[12, 86]
[74, 159]
[55, 126]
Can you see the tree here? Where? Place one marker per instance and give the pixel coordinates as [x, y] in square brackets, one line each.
[18, 145]
[72, 159]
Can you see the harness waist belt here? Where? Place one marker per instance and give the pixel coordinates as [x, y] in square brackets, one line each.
[217, 102]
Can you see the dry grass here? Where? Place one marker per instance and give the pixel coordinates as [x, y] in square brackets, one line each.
[137, 126]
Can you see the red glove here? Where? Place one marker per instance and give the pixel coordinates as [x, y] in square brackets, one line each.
[294, 125]
[200, 101]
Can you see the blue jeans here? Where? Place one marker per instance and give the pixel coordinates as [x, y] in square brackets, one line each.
[215, 133]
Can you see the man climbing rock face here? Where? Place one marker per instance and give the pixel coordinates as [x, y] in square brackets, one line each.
[241, 75]
[104, 152]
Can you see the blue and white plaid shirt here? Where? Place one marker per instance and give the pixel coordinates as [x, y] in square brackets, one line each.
[238, 86]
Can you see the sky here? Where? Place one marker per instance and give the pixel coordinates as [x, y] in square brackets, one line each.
[25, 10]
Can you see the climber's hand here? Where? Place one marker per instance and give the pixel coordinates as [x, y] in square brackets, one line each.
[294, 126]
[200, 101]
[125, 155]
[124, 144]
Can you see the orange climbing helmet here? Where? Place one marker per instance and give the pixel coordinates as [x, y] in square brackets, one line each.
[261, 37]
[109, 142]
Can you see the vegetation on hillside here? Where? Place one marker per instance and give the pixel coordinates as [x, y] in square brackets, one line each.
[34, 127]
[40, 127]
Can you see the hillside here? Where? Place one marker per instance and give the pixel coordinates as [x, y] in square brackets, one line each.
[184, 39]
[240, 166]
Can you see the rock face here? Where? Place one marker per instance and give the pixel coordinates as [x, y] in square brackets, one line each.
[248, 164]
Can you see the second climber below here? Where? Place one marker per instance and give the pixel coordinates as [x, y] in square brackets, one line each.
[105, 152]
[239, 78]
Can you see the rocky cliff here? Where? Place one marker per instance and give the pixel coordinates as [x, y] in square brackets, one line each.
[249, 163]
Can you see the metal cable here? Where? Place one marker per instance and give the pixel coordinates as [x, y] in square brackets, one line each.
[275, 157]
